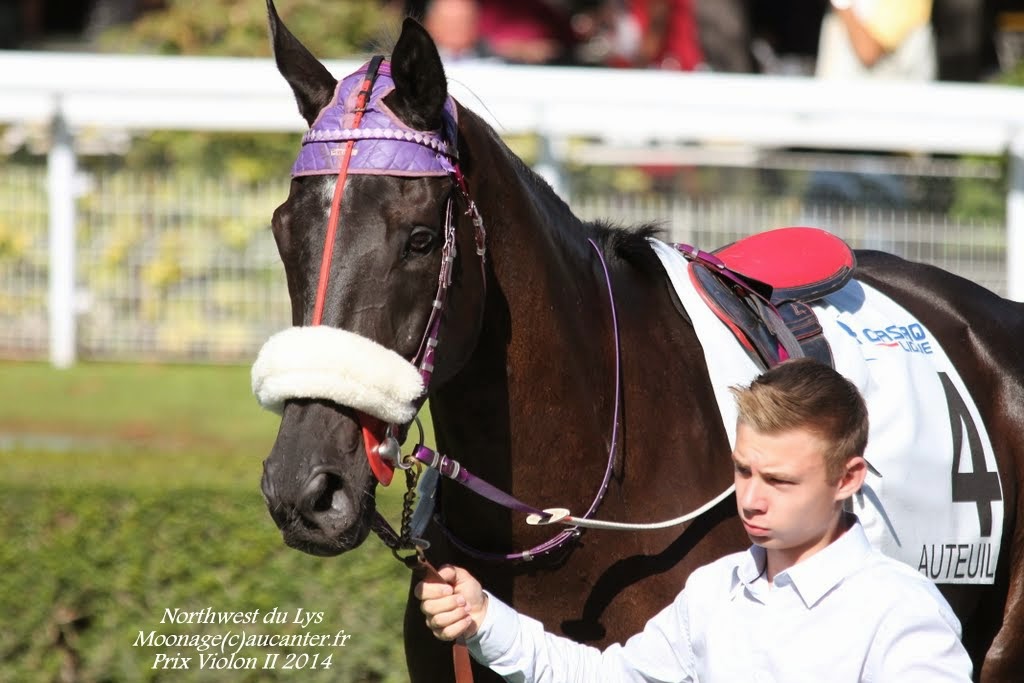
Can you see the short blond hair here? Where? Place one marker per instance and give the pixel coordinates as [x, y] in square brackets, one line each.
[805, 394]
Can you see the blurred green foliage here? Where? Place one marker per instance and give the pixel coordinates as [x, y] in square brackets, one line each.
[247, 158]
[87, 568]
[238, 28]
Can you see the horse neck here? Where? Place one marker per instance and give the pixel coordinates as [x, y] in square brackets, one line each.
[546, 352]
[533, 411]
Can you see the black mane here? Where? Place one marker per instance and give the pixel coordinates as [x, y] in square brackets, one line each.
[629, 244]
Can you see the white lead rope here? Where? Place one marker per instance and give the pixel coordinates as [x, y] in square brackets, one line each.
[563, 516]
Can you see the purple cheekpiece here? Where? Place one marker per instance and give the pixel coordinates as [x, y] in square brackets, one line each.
[383, 144]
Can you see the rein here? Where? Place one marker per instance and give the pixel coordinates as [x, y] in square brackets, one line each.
[452, 469]
[438, 155]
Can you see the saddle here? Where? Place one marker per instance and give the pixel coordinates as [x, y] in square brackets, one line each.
[762, 285]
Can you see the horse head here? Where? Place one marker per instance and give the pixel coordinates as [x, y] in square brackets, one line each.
[368, 236]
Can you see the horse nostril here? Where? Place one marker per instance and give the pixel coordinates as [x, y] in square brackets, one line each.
[322, 491]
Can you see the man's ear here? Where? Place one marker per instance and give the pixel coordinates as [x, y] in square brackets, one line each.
[852, 478]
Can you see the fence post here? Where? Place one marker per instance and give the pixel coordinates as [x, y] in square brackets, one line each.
[1015, 221]
[549, 165]
[61, 198]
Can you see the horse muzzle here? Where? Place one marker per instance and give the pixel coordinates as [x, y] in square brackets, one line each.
[350, 370]
[316, 481]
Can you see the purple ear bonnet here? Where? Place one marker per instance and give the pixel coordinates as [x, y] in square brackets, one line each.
[383, 144]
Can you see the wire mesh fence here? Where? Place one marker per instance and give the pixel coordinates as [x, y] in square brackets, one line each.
[24, 263]
[182, 269]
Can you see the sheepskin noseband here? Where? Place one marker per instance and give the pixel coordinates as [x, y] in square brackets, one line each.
[343, 367]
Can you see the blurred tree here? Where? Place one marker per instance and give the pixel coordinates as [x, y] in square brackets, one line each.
[238, 28]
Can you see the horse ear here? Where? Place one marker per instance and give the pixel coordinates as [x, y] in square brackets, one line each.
[420, 84]
[311, 82]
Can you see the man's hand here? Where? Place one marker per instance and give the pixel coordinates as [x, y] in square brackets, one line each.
[454, 609]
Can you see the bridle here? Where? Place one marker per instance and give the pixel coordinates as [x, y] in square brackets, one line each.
[435, 153]
[381, 453]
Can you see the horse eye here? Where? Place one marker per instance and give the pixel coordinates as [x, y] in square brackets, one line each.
[421, 241]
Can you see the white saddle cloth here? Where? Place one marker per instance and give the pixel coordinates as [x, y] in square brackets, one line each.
[919, 408]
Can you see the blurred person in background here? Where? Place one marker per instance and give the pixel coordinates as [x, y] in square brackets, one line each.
[890, 39]
[724, 30]
[655, 34]
[455, 27]
[879, 40]
[528, 31]
[618, 33]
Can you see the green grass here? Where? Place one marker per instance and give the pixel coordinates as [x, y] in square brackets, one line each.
[129, 424]
[168, 408]
[133, 425]
[128, 489]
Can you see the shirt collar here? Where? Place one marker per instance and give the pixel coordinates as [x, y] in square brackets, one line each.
[751, 565]
[749, 569]
[814, 577]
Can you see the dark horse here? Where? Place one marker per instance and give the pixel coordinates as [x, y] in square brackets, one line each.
[522, 391]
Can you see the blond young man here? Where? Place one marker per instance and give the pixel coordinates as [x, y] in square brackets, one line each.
[809, 601]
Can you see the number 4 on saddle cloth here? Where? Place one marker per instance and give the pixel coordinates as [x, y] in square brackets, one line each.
[761, 285]
[935, 500]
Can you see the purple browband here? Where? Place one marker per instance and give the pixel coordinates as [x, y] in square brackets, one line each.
[383, 144]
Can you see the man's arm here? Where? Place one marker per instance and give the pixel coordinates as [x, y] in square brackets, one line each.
[884, 29]
[519, 649]
[867, 48]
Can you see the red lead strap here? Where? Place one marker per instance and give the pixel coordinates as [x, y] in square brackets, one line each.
[460, 654]
[334, 218]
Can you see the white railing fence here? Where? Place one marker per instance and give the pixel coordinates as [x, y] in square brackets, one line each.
[103, 270]
[186, 270]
